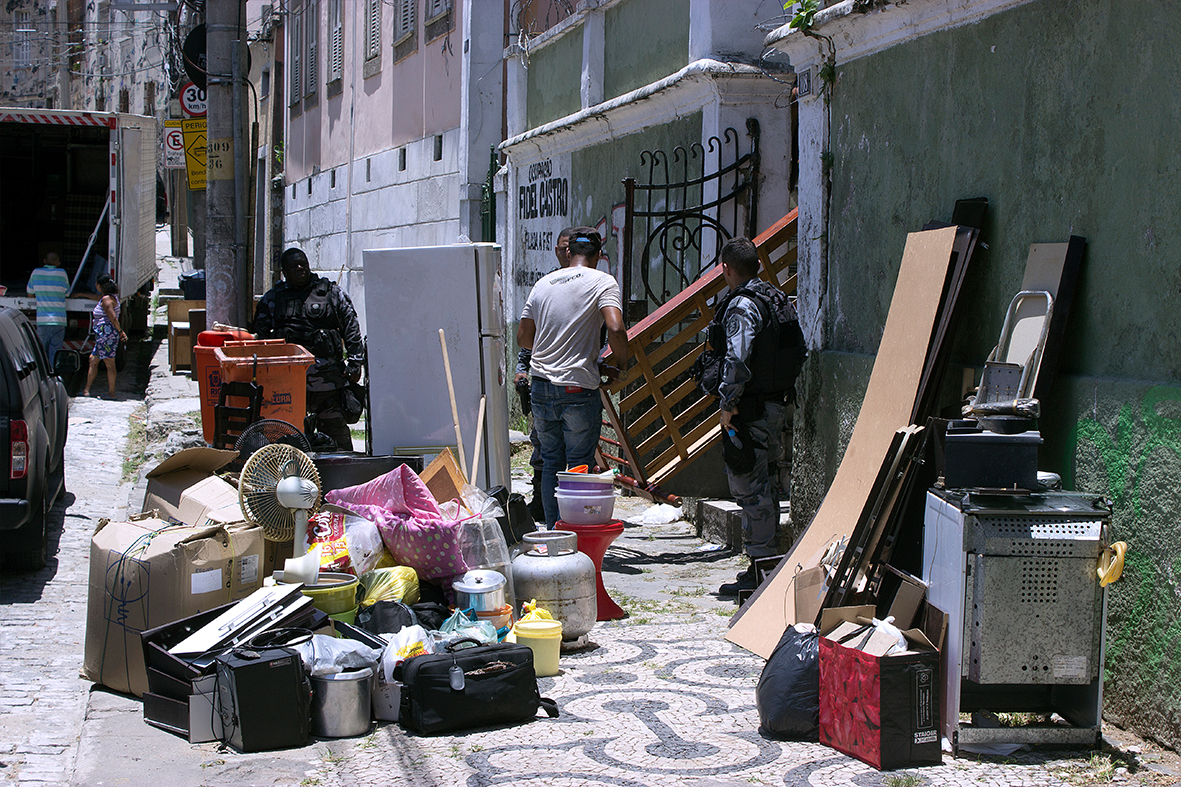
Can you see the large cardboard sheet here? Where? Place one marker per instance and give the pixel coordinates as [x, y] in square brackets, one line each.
[887, 406]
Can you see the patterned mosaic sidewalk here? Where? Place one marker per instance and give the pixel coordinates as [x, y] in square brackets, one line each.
[663, 703]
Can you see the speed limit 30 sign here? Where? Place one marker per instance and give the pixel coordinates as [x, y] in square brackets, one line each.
[192, 100]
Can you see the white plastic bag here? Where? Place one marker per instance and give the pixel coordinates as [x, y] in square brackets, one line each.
[324, 655]
[410, 641]
[887, 627]
[660, 514]
[364, 540]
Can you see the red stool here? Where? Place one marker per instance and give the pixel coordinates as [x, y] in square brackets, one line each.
[593, 541]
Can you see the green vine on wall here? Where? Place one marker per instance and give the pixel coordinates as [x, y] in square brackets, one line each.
[804, 20]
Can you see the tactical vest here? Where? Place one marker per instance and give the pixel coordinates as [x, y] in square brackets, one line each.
[308, 318]
[778, 351]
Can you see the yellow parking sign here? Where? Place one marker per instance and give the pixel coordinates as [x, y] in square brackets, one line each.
[196, 150]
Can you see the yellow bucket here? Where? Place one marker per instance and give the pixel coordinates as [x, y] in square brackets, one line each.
[544, 638]
[333, 593]
[348, 616]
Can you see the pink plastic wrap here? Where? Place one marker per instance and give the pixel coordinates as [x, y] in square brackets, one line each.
[412, 528]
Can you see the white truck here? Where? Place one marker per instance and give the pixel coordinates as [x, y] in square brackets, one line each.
[82, 184]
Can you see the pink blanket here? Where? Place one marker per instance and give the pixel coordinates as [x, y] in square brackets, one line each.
[411, 525]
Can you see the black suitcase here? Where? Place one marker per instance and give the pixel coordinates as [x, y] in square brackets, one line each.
[471, 687]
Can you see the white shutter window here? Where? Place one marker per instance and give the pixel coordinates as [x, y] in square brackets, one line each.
[296, 53]
[405, 23]
[372, 29]
[336, 40]
[312, 35]
[436, 9]
[22, 39]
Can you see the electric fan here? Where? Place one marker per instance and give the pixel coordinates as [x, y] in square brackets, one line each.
[279, 488]
[266, 432]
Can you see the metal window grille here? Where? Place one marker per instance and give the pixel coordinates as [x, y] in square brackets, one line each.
[22, 41]
[336, 43]
[405, 23]
[372, 29]
[312, 36]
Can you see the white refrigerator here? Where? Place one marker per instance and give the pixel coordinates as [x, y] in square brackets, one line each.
[409, 295]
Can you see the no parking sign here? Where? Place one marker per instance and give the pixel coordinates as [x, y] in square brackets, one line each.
[174, 145]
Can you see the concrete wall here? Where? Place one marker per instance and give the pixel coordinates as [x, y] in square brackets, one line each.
[554, 73]
[646, 41]
[1063, 114]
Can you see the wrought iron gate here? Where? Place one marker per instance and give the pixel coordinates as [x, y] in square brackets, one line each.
[680, 227]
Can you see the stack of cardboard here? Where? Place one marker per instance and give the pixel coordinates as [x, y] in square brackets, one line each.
[190, 552]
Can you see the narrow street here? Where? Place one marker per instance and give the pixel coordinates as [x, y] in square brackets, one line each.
[43, 615]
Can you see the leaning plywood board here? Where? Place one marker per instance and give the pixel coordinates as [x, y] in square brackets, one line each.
[886, 408]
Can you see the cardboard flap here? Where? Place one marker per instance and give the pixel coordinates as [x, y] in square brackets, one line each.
[834, 616]
[836, 623]
[205, 532]
[203, 460]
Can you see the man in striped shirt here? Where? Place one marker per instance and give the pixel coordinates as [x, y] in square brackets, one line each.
[49, 283]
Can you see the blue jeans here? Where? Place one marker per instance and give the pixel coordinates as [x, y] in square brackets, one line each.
[52, 337]
[568, 425]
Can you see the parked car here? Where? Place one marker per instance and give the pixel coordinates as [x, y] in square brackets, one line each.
[34, 411]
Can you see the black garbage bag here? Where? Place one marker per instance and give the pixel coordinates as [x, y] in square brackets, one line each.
[788, 694]
[516, 522]
[386, 617]
[431, 614]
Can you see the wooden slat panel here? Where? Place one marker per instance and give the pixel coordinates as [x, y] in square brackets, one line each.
[701, 430]
[649, 352]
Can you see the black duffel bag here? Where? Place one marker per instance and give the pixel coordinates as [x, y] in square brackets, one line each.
[470, 687]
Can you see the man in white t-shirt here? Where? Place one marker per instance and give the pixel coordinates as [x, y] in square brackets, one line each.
[560, 324]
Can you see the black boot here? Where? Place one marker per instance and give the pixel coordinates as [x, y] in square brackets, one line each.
[744, 581]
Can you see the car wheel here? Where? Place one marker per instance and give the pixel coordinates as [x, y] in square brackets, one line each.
[37, 531]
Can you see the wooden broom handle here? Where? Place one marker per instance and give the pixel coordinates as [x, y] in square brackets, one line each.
[479, 437]
[454, 409]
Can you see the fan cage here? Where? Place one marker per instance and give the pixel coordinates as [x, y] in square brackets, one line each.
[257, 488]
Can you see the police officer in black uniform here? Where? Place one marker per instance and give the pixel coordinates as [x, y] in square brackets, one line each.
[315, 313]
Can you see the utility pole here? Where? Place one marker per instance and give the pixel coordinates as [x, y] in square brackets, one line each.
[225, 252]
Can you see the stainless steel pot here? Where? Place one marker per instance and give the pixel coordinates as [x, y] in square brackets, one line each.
[482, 590]
[341, 703]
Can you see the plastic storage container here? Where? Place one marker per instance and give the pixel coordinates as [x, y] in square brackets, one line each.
[544, 638]
[600, 483]
[585, 507]
[207, 370]
[281, 371]
[334, 594]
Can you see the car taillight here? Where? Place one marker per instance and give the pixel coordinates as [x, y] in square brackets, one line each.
[18, 448]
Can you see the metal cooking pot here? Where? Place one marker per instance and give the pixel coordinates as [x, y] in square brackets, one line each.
[480, 589]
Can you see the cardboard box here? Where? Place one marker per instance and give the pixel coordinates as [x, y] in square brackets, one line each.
[148, 572]
[883, 710]
[183, 487]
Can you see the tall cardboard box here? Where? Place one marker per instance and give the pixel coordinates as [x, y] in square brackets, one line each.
[148, 572]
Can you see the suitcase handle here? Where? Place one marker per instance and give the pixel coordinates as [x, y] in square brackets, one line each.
[450, 646]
